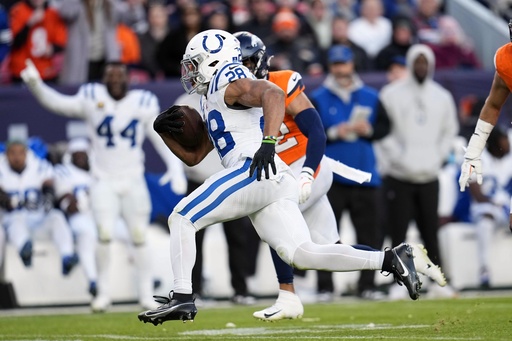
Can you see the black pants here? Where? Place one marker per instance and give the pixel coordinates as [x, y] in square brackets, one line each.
[361, 204]
[240, 253]
[407, 201]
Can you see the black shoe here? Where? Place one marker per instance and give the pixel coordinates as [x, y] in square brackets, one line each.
[171, 309]
[404, 270]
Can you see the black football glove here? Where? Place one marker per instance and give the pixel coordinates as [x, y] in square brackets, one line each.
[5, 201]
[169, 121]
[263, 157]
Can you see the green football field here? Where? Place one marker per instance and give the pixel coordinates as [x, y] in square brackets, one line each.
[485, 318]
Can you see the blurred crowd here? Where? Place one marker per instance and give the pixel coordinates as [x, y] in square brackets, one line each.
[70, 40]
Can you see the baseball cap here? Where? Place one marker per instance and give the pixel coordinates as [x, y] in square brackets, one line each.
[340, 54]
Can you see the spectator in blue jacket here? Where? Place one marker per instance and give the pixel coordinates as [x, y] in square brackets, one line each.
[353, 117]
[5, 34]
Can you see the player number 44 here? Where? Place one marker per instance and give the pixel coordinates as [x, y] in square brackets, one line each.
[105, 130]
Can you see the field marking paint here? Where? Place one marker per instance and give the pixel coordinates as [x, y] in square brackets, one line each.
[292, 330]
[264, 332]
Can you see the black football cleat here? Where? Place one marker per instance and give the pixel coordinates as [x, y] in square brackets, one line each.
[404, 270]
[171, 309]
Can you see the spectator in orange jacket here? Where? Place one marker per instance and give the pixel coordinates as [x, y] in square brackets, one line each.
[39, 34]
[129, 43]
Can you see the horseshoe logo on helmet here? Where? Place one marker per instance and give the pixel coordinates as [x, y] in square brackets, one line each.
[221, 44]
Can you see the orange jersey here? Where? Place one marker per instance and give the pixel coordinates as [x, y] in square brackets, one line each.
[50, 31]
[503, 64]
[293, 145]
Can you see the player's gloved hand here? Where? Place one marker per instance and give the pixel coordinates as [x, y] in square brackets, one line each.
[264, 157]
[305, 183]
[177, 180]
[467, 167]
[5, 201]
[29, 74]
[472, 161]
[169, 121]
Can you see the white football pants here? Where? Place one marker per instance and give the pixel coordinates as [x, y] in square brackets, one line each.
[273, 208]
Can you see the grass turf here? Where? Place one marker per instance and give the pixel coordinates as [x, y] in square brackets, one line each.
[486, 318]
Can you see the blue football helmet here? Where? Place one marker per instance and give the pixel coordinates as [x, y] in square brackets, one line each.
[255, 51]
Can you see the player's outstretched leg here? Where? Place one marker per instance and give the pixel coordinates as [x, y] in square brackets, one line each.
[175, 307]
[425, 266]
[287, 306]
[404, 270]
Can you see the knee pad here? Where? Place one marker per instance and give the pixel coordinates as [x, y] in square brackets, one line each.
[176, 219]
[285, 253]
[104, 235]
[138, 235]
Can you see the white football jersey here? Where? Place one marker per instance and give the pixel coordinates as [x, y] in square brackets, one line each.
[117, 128]
[235, 132]
[69, 179]
[25, 188]
[497, 177]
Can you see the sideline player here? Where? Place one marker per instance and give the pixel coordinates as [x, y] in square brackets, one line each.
[28, 186]
[302, 147]
[500, 90]
[118, 120]
[243, 116]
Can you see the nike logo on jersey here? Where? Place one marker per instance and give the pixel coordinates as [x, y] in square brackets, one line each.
[232, 67]
[294, 78]
[406, 271]
[270, 315]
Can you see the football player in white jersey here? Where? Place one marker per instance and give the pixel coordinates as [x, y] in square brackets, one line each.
[118, 120]
[72, 184]
[73, 181]
[243, 116]
[30, 212]
[490, 204]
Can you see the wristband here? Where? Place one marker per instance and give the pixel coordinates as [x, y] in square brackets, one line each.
[477, 141]
[308, 171]
[270, 139]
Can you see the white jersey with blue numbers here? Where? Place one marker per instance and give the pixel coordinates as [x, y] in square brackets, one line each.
[497, 177]
[117, 128]
[24, 188]
[497, 186]
[236, 132]
[70, 179]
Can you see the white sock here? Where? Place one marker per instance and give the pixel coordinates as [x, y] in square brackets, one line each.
[183, 252]
[144, 273]
[336, 257]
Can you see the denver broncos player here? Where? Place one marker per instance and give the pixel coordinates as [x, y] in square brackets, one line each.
[302, 147]
[118, 121]
[500, 90]
[243, 116]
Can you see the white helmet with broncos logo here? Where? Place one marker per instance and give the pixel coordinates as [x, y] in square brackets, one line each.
[206, 53]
